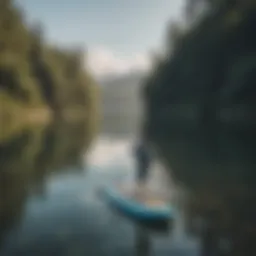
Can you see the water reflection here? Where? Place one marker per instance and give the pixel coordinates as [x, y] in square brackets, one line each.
[49, 204]
[27, 159]
[217, 167]
[142, 242]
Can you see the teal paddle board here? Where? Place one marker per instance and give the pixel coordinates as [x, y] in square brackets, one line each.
[147, 210]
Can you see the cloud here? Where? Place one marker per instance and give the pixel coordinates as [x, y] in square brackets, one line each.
[101, 62]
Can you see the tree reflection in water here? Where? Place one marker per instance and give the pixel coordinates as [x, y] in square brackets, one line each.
[26, 161]
[217, 167]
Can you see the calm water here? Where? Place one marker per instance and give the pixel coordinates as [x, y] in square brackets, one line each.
[49, 181]
[49, 203]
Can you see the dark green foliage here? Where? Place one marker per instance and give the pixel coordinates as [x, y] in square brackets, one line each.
[34, 73]
[211, 67]
[210, 72]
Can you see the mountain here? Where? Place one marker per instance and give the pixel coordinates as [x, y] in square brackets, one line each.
[121, 104]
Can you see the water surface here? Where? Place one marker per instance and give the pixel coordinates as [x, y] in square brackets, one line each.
[50, 205]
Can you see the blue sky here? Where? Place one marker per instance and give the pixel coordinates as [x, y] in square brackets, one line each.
[122, 28]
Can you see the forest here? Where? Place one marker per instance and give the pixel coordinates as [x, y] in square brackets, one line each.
[39, 78]
[208, 68]
[199, 100]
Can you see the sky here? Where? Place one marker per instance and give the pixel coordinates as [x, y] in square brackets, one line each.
[118, 34]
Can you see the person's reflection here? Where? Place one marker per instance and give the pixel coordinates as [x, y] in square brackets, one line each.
[142, 241]
[144, 232]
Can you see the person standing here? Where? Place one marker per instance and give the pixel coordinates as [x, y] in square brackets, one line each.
[143, 160]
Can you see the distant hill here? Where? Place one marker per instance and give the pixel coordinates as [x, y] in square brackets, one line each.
[121, 104]
[130, 78]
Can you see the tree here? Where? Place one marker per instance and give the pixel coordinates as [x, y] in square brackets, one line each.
[35, 73]
[209, 71]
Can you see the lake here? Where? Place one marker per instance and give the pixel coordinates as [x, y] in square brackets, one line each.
[49, 203]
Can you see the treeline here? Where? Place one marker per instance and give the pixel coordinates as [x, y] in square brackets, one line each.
[204, 83]
[34, 73]
[209, 66]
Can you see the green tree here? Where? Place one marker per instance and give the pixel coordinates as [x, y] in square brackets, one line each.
[208, 70]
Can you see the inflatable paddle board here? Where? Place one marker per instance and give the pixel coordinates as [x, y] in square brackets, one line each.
[141, 210]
